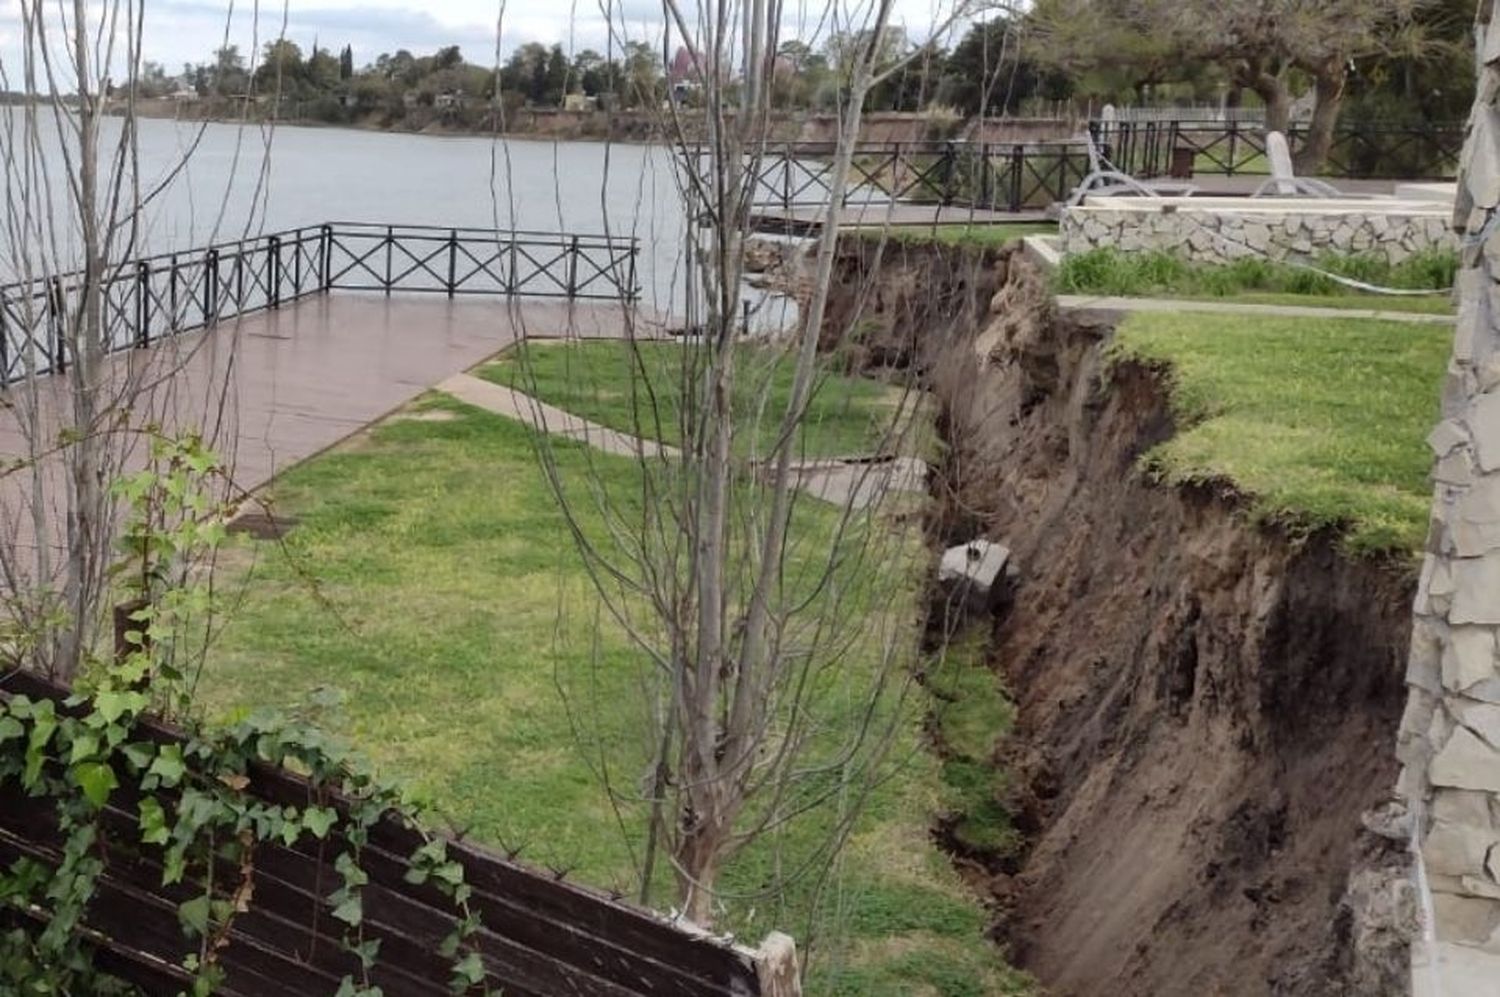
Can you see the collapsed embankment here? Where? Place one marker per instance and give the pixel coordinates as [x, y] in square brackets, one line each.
[1205, 710]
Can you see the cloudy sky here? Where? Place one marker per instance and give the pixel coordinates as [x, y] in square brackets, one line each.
[178, 31]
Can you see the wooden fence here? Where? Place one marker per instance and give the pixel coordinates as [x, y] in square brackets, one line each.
[540, 936]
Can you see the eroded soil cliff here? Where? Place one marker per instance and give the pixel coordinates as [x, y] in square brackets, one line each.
[1205, 710]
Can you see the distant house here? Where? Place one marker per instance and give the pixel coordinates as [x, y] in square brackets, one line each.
[578, 102]
[448, 100]
[183, 95]
[683, 75]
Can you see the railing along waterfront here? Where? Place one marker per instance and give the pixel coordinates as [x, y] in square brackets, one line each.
[150, 298]
[1177, 147]
[997, 175]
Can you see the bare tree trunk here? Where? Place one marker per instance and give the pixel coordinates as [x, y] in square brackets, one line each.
[1328, 89]
[1273, 90]
[86, 511]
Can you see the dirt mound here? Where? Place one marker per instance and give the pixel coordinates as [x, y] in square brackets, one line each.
[1205, 710]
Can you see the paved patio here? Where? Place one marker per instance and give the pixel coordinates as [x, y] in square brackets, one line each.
[275, 387]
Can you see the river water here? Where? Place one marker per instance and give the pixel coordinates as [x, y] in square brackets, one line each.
[235, 180]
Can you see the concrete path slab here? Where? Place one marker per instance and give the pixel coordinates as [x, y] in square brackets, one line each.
[534, 412]
[1119, 305]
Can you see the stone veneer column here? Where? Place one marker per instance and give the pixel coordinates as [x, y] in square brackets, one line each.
[1449, 743]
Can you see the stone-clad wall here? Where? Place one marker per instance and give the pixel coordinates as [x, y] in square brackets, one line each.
[1218, 236]
[1449, 742]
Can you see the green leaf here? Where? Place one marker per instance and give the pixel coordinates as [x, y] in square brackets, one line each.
[96, 779]
[319, 819]
[85, 745]
[467, 972]
[194, 915]
[113, 705]
[153, 822]
[10, 728]
[139, 753]
[168, 766]
[351, 911]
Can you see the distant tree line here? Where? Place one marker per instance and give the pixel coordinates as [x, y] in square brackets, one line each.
[1392, 61]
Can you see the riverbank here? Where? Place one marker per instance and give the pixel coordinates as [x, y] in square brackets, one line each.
[1200, 689]
[594, 125]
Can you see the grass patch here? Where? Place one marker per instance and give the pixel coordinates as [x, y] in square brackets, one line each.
[847, 415]
[970, 712]
[1423, 305]
[1320, 422]
[432, 579]
[1159, 274]
[976, 235]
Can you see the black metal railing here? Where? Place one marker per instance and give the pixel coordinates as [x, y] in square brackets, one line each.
[146, 299]
[995, 175]
[1159, 148]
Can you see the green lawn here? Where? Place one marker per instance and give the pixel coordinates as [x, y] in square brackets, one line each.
[1421, 305]
[432, 579]
[979, 235]
[1162, 275]
[1321, 422]
[848, 416]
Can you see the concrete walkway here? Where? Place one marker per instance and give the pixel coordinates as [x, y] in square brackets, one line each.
[550, 419]
[1082, 302]
[857, 482]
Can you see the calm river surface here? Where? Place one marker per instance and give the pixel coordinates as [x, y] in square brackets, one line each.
[244, 180]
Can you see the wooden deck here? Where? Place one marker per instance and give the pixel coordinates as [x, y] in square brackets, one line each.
[807, 219]
[272, 388]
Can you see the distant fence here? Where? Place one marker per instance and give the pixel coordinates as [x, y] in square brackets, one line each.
[1003, 175]
[539, 936]
[146, 299]
[1159, 148]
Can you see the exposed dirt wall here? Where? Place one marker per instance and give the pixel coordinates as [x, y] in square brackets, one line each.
[1205, 710]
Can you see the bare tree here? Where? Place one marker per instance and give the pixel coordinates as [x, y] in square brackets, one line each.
[76, 207]
[756, 608]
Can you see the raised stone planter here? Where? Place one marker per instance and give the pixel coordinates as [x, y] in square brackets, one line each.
[1223, 229]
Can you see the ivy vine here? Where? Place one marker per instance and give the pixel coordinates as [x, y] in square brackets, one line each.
[109, 780]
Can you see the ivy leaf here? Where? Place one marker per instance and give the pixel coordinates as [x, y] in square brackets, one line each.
[194, 915]
[318, 820]
[113, 705]
[351, 911]
[139, 753]
[153, 822]
[467, 972]
[96, 779]
[168, 766]
[10, 728]
[85, 745]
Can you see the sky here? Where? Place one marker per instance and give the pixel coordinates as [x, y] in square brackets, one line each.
[179, 31]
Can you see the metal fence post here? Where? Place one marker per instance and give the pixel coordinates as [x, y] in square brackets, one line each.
[1017, 162]
[573, 268]
[390, 242]
[986, 181]
[452, 261]
[210, 286]
[273, 269]
[325, 258]
[142, 304]
[4, 346]
[297, 263]
[1234, 130]
[57, 309]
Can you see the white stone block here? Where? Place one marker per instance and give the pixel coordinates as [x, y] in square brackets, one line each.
[979, 562]
[1468, 657]
[1466, 762]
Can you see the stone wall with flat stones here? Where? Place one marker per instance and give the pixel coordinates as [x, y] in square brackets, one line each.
[1222, 236]
[1449, 741]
